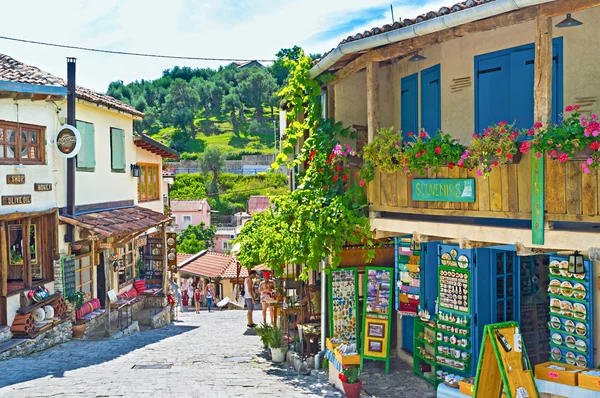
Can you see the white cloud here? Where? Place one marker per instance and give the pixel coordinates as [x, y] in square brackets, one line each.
[253, 29]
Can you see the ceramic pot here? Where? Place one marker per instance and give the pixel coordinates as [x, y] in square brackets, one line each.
[78, 331]
[353, 390]
[278, 354]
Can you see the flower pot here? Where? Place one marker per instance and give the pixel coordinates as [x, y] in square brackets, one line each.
[78, 331]
[584, 154]
[353, 390]
[278, 354]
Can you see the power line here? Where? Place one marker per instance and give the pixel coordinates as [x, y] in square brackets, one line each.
[132, 54]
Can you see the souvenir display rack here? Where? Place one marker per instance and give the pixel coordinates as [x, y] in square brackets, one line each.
[343, 304]
[454, 329]
[408, 282]
[425, 347]
[571, 314]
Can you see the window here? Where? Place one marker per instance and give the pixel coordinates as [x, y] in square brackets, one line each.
[174, 221]
[117, 149]
[86, 158]
[226, 245]
[21, 143]
[187, 221]
[126, 264]
[148, 183]
[83, 273]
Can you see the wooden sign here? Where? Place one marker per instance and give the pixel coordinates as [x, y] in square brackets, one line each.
[141, 241]
[502, 364]
[15, 178]
[104, 245]
[537, 201]
[16, 200]
[444, 190]
[42, 187]
[68, 275]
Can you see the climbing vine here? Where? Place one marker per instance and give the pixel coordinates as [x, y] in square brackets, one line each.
[328, 208]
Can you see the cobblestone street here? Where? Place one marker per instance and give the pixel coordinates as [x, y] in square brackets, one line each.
[202, 351]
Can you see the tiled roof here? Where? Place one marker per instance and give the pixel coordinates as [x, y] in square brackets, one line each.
[118, 221]
[188, 205]
[402, 23]
[15, 71]
[158, 148]
[208, 264]
[258, 204]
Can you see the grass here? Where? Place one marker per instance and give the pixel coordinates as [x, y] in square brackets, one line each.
[218, 131]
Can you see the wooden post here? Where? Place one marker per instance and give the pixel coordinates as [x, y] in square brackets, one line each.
[26, 230]
[165, 260]
[107, 282]
[372, 99]
[542, 113]
[331, 101]
[3, 261]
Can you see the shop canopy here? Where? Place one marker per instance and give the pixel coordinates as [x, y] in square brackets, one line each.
[117, 222]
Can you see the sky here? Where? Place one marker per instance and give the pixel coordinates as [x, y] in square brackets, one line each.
[247, 29]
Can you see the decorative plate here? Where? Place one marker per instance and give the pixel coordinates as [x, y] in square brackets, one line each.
[554, 286]
[570, 341]
[446, 259]
[555, 322]
[453, 253]
[579, 291]
[463, 262]
[579, 310]
[557, 338]
[570, 326]
[581, 361]
[566, 289]
[570, 358]
[581, 345]
[556, 354]
[580, 329]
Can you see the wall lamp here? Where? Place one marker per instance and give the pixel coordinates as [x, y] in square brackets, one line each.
[135, 170]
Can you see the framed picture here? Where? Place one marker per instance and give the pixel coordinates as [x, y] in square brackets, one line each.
[376, 330]
[375, 345]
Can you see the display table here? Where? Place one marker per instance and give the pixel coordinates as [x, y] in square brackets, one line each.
[547, 387]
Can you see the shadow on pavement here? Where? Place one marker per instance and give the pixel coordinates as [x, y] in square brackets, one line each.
[77, 354]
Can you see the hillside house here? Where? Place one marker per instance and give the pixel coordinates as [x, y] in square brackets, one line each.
[190, 212]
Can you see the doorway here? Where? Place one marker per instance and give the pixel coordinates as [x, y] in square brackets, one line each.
[101, 284]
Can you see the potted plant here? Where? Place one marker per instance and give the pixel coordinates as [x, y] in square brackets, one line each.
[386, 150]
[276, 343]
[496, 146]
[77, 299]
[264, 332]
[352, 385]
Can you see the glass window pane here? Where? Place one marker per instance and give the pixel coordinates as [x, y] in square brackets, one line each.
[1, 151]
[1, 134]
[77, 278]
[33, 138]
[25, 152]
[509, 311]
[77, 263]
[10, 151]
[143, 183]
[86, 275]
[500, 288]
[499, 263]
[86, 261]
[87, 288]
[11, 136]
[509, 263]
[509, 286]
[500, 311]
[33, 244]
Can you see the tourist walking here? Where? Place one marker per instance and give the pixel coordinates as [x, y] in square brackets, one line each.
[249, 296]
[209, 294]
[197, 300]
[266, 289]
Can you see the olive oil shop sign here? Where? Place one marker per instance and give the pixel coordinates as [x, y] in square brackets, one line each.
[444, 190]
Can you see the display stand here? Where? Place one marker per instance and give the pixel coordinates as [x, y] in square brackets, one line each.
[377, 312]
[499, 368]
[343, 304]
[425, 348]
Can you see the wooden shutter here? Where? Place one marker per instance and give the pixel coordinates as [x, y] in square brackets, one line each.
[86, 158]
[117, 144]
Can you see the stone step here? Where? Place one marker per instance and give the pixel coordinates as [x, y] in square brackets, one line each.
[5, 334]
[12, 343]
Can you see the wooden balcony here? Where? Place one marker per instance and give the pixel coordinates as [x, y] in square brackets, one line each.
[570, 194]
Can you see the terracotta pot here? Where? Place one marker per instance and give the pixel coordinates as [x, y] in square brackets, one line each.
[78, 331]
[353, 390]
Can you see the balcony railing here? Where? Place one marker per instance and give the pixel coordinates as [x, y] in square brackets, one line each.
[570, 194]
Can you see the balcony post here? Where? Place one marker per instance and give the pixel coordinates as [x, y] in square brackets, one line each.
[372, 99]
[331, 101]
[542, 113]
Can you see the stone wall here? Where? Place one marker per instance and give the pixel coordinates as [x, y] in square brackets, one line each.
[42, 342]
[5, 334]
[163, 318]
[98, 322]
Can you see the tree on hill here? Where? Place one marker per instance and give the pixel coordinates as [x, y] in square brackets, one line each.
[256, 86]
[182, 104]
[232, 103]
[196, 238]
[213, 161]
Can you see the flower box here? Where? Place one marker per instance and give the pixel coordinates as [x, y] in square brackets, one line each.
[569, 376]
[347, 360]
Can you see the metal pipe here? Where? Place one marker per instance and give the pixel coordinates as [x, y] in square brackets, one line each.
[422, 28]
[71, 98]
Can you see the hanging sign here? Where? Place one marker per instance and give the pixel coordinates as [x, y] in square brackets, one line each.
[68, 274]
[42, 187]
[444, 190]
[141, 241]
[16, 200]
[15, 179]
[68, 141]
[172, 251]
[537, 201]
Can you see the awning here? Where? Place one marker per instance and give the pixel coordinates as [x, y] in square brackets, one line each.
[157, 148]
[117, 221]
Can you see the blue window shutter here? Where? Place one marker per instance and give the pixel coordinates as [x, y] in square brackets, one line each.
[409, 112]
[117, 144]
[431, 115]
[493, 91]
[522, 67]
[86, 157]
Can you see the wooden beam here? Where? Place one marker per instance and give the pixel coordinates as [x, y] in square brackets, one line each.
[465, 243]
[3, 260]
[372, 99]
[529, 251]
[107, 284]
[377, 234]
[6, 94]
[543, 70]
[331, 101]
[40, 97]
[26, 231]
[19, 215]
[22, 96]
[418, 237]
[556, 8]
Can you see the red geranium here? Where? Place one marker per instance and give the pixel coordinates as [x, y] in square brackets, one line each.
[335, 178]
[344, 177]
[343, 378]
[595, 145]
[438, 150]
[423, 135]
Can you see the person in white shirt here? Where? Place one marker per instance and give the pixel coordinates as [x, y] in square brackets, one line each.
[249, 296]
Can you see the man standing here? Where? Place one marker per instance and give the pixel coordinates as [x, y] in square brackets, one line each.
[249, 296]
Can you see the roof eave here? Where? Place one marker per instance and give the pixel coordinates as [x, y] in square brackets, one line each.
[16, 87]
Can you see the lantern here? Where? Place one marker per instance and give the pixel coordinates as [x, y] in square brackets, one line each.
[135, 170]
[576, 265]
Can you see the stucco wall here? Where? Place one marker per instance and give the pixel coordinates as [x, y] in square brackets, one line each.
[144, 156]
[197, 217]
[42, 114]
[351, 100]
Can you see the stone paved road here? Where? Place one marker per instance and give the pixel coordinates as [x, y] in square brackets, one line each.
[195, 345]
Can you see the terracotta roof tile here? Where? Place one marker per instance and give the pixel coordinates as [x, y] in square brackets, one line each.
[258, 204]
[407, 22]
[15, 71]
[208, 264]
[188, 205]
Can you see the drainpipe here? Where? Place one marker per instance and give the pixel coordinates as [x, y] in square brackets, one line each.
[422, 28]
[71, 97]
[320, 355]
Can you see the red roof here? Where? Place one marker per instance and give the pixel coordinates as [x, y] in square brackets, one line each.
[258, 204]
[208, 264]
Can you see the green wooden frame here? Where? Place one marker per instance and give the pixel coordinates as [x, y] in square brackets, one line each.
[389, 317]
[330, 286]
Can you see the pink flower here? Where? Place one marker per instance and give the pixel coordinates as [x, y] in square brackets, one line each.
[538, 155]
[531, 132]
[590, 161]
[474, 135]
[525, 147]
[397, 144]
[460, 163]
[537, 125]
[337, 150]
[501, 124]
[594, 116]
[595, 133]
[569, 108]
[563, 157]
[585, 168]
[576, 107]
[361, 183]
[479, 173]
[553, 154]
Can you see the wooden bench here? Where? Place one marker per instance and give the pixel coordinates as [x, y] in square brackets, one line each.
[88, 316]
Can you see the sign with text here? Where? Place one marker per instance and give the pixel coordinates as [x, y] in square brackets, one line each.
[444, 190]
[16, 200]
[68, 274]
[42, 187]
[68, 141]
[15, 178]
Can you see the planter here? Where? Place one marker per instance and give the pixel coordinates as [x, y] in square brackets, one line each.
[78, 331]
[278, 354]
[353, 390]
[584, 154]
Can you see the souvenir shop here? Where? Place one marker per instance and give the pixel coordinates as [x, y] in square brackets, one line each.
[448, 295]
